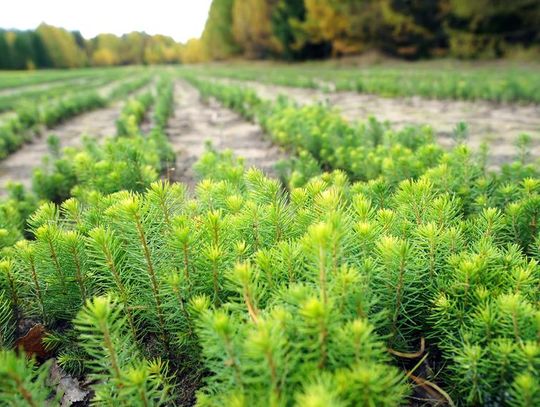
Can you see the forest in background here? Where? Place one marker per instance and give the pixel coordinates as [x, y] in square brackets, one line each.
[411, 29]
[300, 30]
[54, 47]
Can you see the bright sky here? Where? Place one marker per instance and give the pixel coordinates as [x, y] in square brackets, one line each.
[180, 19]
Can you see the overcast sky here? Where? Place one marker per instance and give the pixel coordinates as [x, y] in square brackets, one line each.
[180, 19]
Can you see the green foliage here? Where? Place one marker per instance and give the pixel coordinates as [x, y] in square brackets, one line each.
[52, 47]
[298, 29]
[283, 15]
[55, 112]
[272, 358]
[70, 355]
[164, 102]
[282, 299]
[128, 161]
[219, 166]
[61, 47]
[217, 38]
[244, 101]
[7, 323]
[252, 27]
[486, 28]
[450, 80]
[22, 50]
[125, 88]
[132, 115]
[116, 365]
[30, 113]
[317, 134]
[131, 163]
[163, 110]
[14, 210]
[14, 100]
[22, 382]
[254, 294]
[312, 29]
[120, 163]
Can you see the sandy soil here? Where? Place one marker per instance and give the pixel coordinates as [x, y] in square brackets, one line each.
[497, 124]
[19, 166]
[195, 122]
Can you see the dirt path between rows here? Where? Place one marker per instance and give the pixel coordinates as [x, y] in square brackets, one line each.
[19, 166]
[497, 124]
[195, 122]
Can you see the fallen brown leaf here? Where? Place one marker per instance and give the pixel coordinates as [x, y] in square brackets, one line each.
[32, 342]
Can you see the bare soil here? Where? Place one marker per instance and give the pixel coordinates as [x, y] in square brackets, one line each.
[497, 124]
[195, 122]
[18, 167]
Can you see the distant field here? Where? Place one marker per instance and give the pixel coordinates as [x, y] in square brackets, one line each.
[500, 82]
[15, 79]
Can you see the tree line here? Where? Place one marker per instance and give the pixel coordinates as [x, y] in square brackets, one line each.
[54, 47]
[299, 30]
[309, 29]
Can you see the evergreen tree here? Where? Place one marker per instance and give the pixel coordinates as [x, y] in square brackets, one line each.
[252, 27]
[487, 27]
[413, 28]
[218, 37]
[5, 51]
[284, 13]
[42, 58]
[23, 50]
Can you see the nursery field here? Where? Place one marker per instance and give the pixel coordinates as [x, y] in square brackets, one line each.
[495, 81]
[270, 235]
